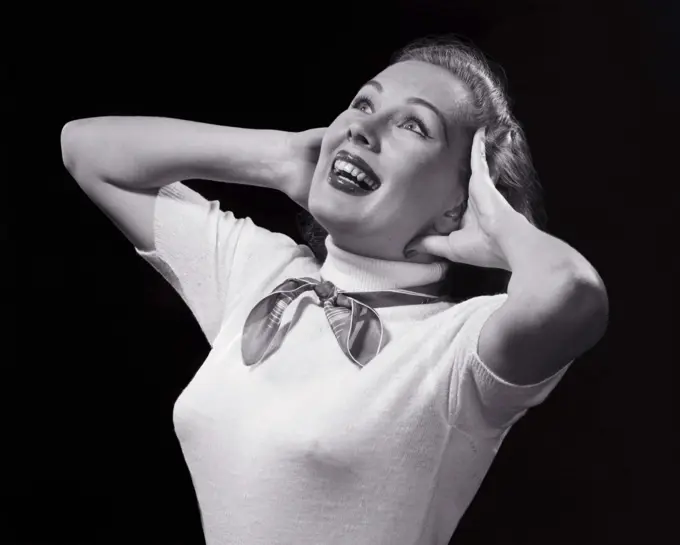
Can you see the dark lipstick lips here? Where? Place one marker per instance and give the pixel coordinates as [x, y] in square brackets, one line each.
[358, 161]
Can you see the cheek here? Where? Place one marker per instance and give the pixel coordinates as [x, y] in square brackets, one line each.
[429, 183]
[415, 169]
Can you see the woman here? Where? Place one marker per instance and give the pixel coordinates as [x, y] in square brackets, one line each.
[335, 407]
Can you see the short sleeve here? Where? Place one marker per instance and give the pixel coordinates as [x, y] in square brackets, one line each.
[482, 403]
[203, 252]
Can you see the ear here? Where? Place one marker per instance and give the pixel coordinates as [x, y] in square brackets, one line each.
[450, 220]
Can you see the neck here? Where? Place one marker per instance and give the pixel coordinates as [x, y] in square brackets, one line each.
[352, 272]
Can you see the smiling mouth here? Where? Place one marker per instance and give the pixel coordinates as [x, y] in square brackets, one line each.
[355, 170]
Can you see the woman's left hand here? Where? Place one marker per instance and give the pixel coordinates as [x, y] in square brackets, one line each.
[488, 213]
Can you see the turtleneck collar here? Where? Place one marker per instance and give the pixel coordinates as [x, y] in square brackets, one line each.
[352, 272]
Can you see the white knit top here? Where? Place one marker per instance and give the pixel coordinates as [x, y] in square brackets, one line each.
[306, 448]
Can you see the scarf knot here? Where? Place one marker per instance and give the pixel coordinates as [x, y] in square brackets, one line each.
[327, 291]
[353, 320]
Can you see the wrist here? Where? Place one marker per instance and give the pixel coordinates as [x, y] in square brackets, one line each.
[273, 157]
[284, 155]
[259, 157]
[514, 235]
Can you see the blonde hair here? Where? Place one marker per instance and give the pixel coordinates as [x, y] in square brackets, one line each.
[507, 151]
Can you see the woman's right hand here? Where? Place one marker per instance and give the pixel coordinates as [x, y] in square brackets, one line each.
[304, 149]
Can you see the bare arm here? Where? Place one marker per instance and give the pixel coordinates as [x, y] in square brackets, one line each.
[122, 162]
[137, 153]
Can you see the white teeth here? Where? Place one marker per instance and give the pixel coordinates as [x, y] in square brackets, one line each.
[360, 175]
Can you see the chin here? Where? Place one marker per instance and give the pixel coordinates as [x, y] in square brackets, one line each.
[334, 218]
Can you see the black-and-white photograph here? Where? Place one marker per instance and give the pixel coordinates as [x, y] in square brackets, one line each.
[389, 273]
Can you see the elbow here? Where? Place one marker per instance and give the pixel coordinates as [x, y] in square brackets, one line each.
[80, 145]
[594, 300]
[70, 137]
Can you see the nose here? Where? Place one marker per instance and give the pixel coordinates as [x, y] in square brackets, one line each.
[364, 135]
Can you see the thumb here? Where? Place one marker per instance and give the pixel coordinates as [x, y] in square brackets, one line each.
[431, 244]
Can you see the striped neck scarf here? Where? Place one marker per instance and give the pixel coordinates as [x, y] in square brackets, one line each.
[351, 315]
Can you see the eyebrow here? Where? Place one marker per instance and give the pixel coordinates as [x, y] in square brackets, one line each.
[419, 101]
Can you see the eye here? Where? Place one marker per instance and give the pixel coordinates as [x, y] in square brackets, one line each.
[415, 124]
[361, 102]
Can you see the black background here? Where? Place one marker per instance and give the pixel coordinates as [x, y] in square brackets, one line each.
[100, 346]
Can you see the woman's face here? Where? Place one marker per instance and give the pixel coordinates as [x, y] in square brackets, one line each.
[403, 126]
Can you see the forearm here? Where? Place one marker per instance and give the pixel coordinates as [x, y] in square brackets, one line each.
[538, 260]
[148, 152]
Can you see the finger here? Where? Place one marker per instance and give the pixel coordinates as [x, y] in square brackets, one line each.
[431, 244]
[478, 155]
[482, 188]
